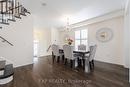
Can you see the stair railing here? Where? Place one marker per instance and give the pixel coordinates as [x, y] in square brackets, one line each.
[11, 9]
[4, 40]
[49, 48]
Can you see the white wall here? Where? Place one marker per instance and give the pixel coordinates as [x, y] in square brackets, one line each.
[64, 34]
[111, 52]
[20, 34]
[54, 36]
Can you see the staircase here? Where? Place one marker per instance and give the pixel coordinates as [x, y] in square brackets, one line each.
[10, 10]
[6, 72]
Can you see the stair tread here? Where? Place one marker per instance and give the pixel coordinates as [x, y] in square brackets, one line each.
[2, 64]
[18, 17]
[4, 23]
[12, 20]
[8, 71]
[23, 14]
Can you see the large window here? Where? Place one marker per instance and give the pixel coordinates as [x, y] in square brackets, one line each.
[81, 37]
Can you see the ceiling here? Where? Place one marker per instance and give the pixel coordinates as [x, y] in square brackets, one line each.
[54, 13]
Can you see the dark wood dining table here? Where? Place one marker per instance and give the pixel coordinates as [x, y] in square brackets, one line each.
[86, 65]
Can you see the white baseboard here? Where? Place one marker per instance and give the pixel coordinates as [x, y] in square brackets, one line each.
[23, 65]
[109, 62]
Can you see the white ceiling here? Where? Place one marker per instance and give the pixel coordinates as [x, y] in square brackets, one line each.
[55, 12]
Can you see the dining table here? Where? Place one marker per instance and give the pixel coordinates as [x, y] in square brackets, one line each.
[86, 65]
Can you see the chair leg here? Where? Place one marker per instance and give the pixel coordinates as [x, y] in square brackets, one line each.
[63, 58]
[53, 58]
[90, 64]
[65, 61]
[93, 63]
[72, 62]
[52, 54]
[83, 60]
[79, 62]
[58, 59]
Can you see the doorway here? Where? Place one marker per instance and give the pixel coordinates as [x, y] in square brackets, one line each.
[35, 48]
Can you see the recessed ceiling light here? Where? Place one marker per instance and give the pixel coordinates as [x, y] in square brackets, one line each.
[44, 4]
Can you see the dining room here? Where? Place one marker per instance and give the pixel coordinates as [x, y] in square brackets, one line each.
[91, 47]
[100, 36]
[66, 43]
[94, 50]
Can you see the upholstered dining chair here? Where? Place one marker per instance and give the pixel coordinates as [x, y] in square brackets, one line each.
[69, 55]
[56, 53]
[82, 47]
[91, 56]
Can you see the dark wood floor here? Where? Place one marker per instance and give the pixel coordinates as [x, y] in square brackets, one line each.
[46, 74]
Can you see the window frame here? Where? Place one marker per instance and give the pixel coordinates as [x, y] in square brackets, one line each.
[80, 39]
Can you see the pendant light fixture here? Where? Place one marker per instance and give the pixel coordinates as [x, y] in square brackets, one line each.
[68, 28]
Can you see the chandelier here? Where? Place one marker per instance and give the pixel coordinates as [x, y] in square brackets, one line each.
[68, 28]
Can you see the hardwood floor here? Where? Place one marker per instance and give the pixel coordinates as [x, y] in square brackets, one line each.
[44, 73]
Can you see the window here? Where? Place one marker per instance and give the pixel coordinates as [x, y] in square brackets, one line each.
[81, 37]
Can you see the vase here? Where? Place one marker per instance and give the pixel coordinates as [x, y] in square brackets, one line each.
[69, 43]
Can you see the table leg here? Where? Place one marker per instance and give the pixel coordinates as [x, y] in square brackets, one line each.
[86, 64]
[76, 62]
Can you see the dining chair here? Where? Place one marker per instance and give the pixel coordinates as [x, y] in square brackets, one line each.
[91, 56]
[82, 47]
[56, 53]
[69, 55]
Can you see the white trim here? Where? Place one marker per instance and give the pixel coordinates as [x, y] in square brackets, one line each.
[24, 65]
[6, 80]
[99, 19]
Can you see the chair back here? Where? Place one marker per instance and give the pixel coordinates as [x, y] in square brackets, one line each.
[92, 52]
[68, 51]
[82, 47]
[55, 50]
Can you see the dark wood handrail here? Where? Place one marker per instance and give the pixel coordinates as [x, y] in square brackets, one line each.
[4, 40]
